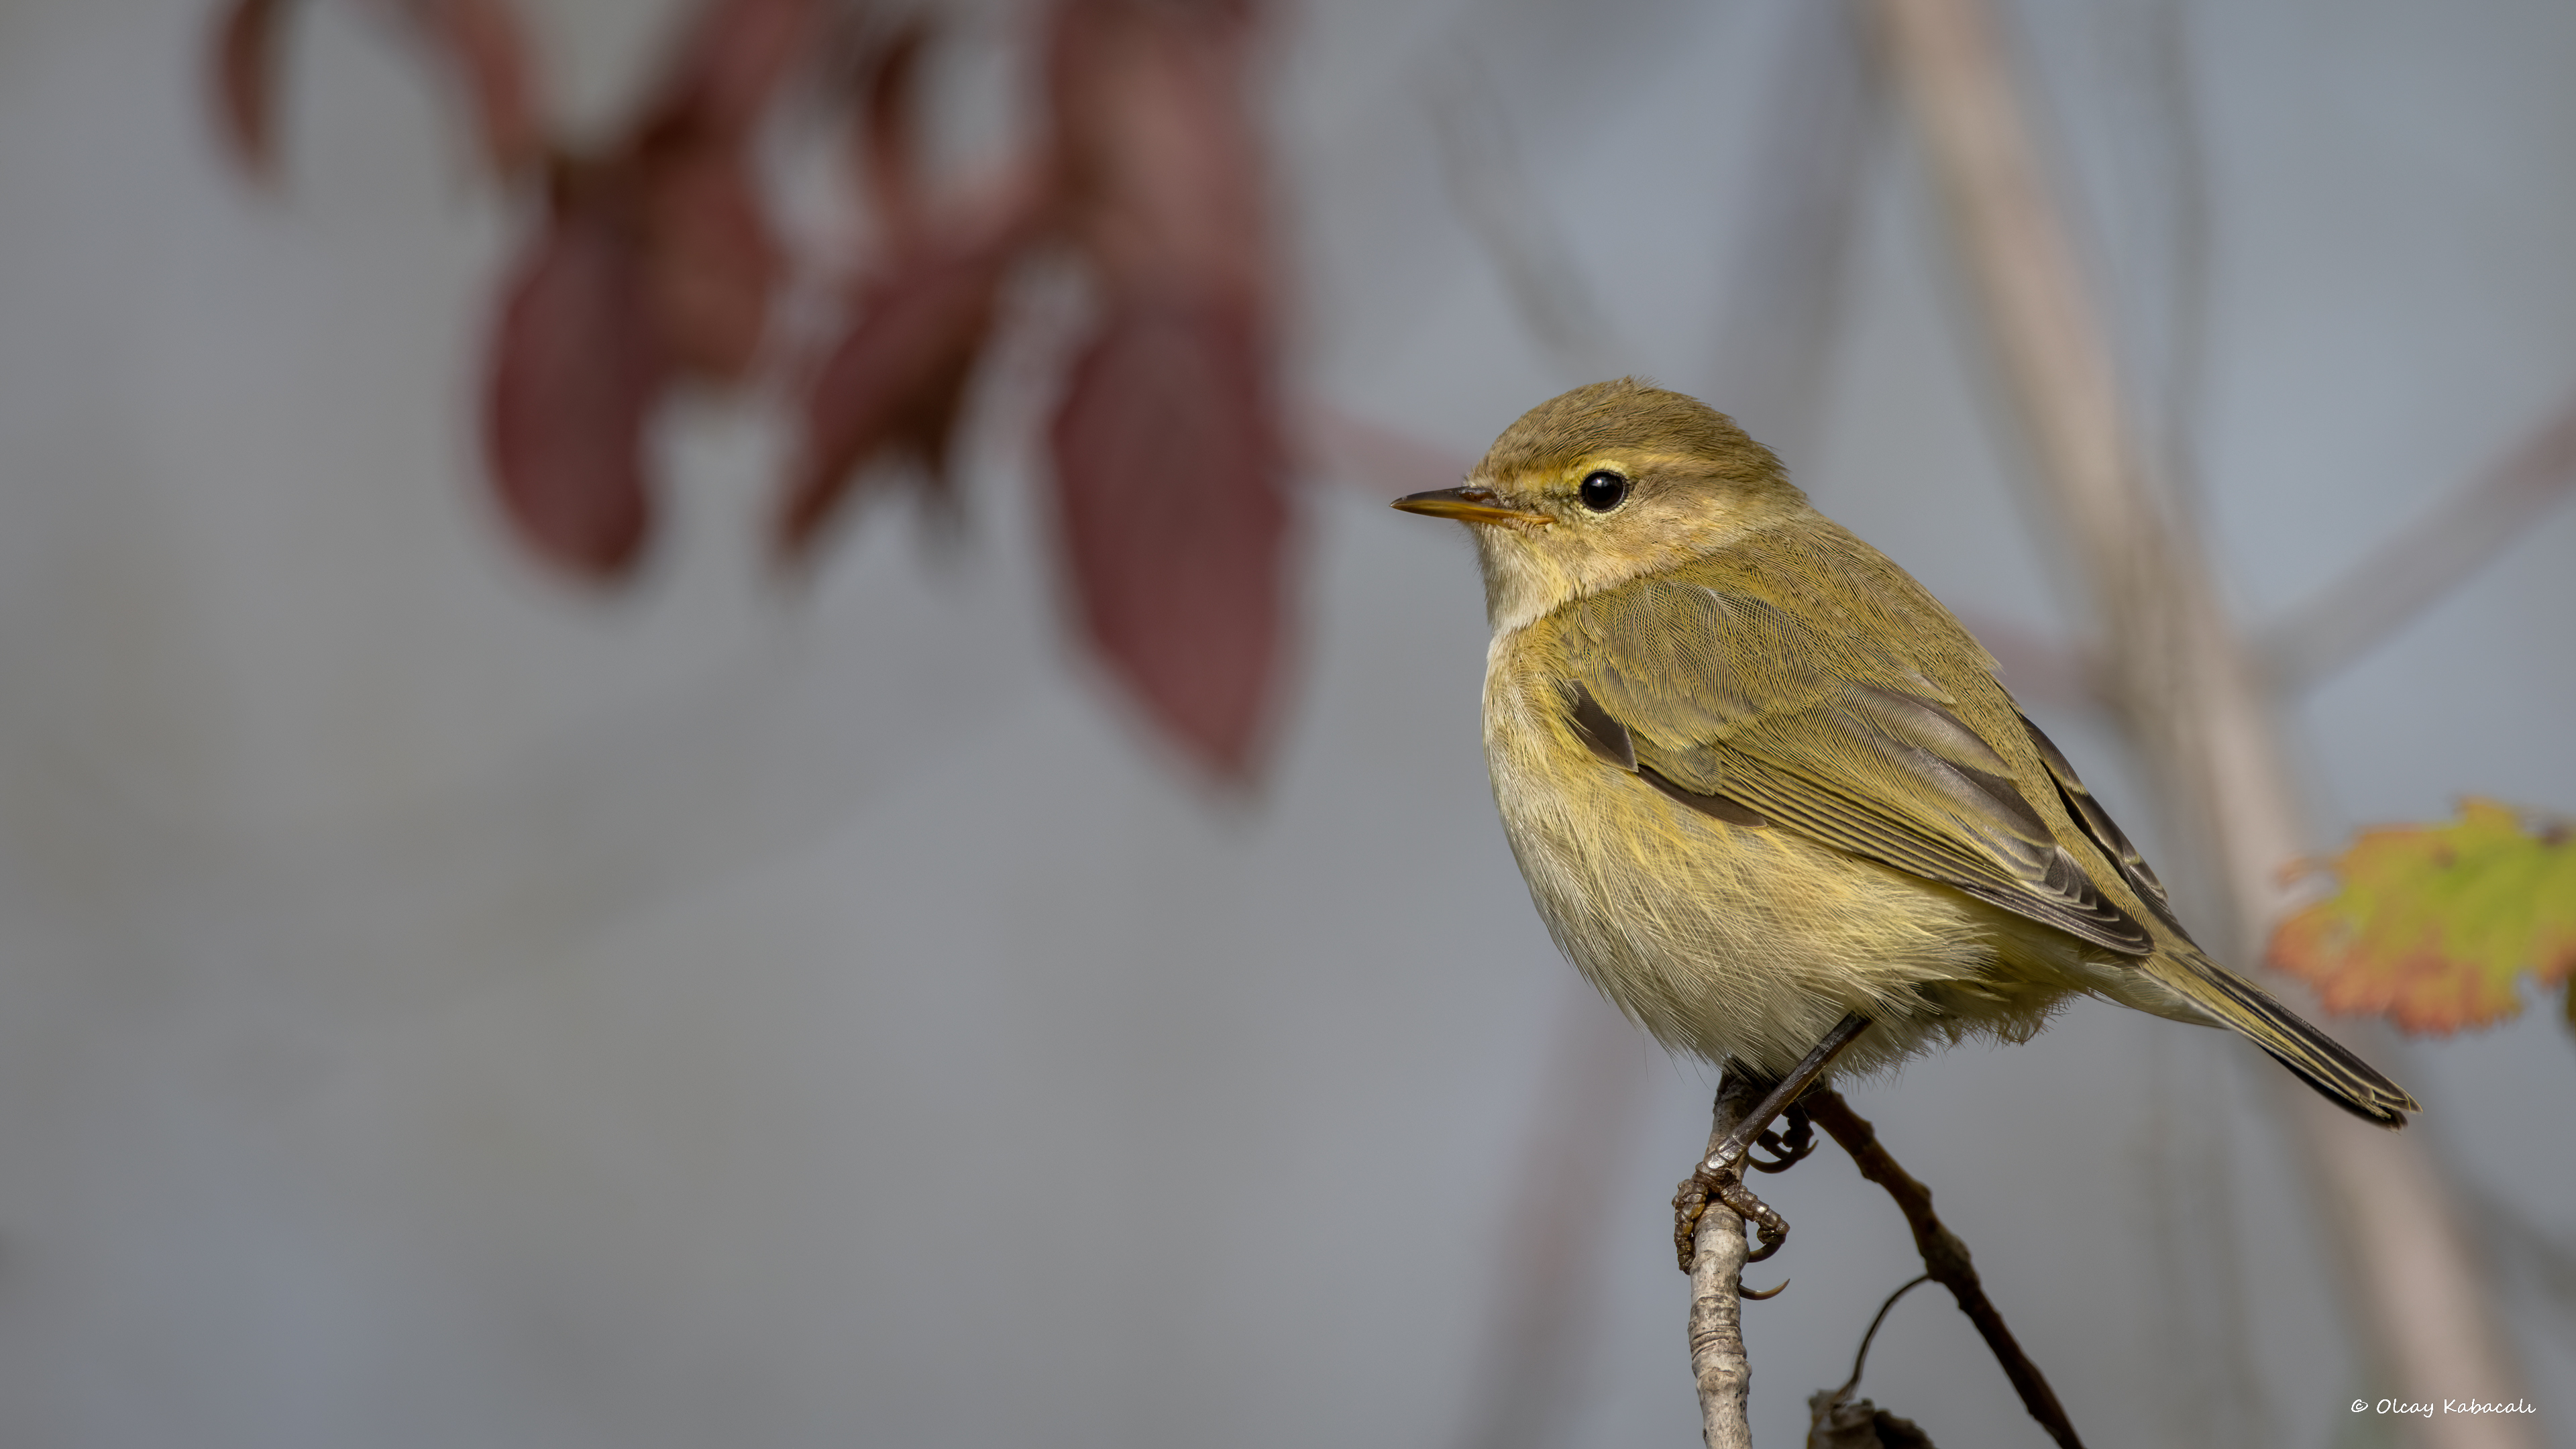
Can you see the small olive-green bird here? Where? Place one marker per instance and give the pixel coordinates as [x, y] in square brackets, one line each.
[1759, 780]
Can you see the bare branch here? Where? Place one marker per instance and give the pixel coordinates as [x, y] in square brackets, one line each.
[2040, 670]
[1718, 1362]
[1835, 1420]
[2535, 1257]
[1816, 132]
[2425, 560]
[1544, 1310]
[1370, 454]
[1860, 1360]
[1508, 218]
[1945, 1258]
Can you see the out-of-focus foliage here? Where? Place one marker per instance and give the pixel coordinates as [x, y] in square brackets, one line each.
[481, 42]
[1168, 464]
[574, 373]
[652, 259]
[246, 81]
[2434, 924]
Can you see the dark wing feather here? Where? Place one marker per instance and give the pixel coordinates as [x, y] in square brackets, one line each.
[2104, 831]
[1601, 734]
[1836, 744]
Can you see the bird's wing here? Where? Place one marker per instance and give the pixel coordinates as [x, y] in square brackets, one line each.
[2104, 832]
[1742, 708]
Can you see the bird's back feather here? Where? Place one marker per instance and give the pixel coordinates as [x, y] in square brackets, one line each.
[1868, 721]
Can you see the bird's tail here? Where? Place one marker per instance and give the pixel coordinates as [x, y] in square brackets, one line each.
[2318, 1059]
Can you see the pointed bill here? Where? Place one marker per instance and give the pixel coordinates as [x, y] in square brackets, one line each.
[1468, 505]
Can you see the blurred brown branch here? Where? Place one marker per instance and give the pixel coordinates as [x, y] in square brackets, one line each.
[2397, 581]
[2185, 683]
[1511, 222]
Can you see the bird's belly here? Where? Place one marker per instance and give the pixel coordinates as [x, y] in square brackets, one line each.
[1738, 943]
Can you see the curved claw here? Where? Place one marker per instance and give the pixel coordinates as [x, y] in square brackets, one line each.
[1788, 1148]
[1743, 1292]
[1773, 1240]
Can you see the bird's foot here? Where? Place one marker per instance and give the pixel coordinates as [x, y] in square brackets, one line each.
[1720, 1176]
[1787, 1147]
[1690, 1204]
[1723, 1181]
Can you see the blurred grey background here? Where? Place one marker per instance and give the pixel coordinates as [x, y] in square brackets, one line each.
[439, 1008]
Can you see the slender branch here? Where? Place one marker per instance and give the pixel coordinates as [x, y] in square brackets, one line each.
[2186, 684]
[2537, 1259]
[2040, 670]
[1718, 1362]
[1944, 1257]
[1374, 457]
[1510, 219]
[1814, 135]
[2424, 560]
[1543, 1312]
[1860, 1360]
[1835, 1420]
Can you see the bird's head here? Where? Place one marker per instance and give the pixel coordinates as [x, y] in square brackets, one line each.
[1605, 484]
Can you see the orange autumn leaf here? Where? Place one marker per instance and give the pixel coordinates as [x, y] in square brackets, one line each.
[2434, 924]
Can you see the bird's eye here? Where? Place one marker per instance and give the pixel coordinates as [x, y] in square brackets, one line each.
[1603, 491]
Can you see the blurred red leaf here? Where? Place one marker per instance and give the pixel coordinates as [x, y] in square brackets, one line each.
[656, 254]
[487, 44]
[1168, 463]
[1157, 141]
[1174, 519]
[888, 131]
[712, 257]
[575, 370]
[712, 261]
[245, 77]
[731, 60]
[893, 382]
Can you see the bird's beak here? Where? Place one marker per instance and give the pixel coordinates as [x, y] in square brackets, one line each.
[1467, 505]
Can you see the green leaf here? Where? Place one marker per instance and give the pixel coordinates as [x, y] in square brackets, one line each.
[2434, 922]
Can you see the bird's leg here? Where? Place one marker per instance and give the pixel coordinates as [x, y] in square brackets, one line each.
[1721, 1174]
[1787, 1148]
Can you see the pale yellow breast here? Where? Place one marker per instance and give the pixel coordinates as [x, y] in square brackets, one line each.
[1728, 941]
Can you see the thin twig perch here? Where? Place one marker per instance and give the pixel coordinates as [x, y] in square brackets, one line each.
[1718, 1364]
[1944, 1257]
